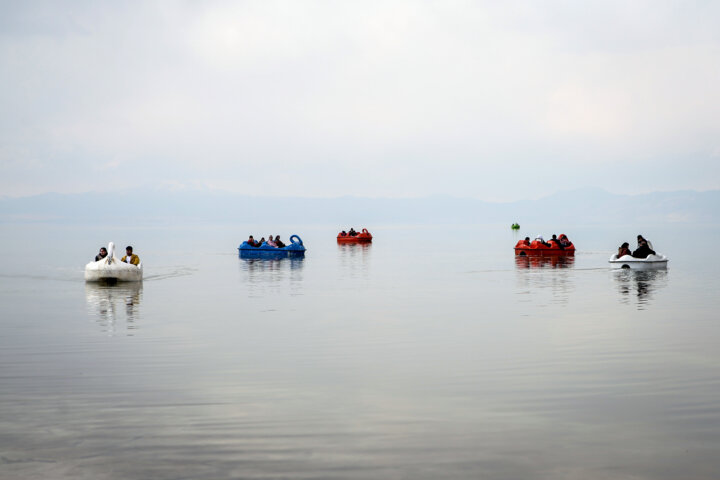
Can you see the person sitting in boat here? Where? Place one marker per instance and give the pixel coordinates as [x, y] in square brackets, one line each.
[527, 241]
[352, 232]
[624, 250]
[101, 254]
[541, 241]
[251, 241]
[343, 233]
[262, 240]
[278, 242]
[271, 242]
[564, 241]
[644, 248]
[130, 257]
[556, 242]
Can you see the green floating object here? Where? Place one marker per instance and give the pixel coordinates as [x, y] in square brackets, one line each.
[515, 226]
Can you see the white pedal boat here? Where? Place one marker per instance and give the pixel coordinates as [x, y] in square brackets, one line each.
[112, 269]
[627, 261]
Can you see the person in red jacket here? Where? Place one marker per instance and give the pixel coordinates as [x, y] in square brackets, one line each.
[624, 250]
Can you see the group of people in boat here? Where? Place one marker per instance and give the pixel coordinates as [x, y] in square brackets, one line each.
[129, 257]
[351, 233]
[560, 242]
[644, 248]
[270, 242]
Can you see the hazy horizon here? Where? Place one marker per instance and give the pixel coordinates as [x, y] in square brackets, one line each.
[208, 190]
[565, 208]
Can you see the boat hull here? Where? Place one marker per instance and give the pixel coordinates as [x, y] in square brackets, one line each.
[267, 253]
[296, 249]
[537, 249]
[113, 270]
[652, 262]
[362, 237]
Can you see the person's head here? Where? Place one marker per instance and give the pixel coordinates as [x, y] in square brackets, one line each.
[270, 238]
[554, 237]
[625, 245]
[640, 238]
[103, 251]
[277, 238]
[251, 237]
[527, 239]
[128, 250]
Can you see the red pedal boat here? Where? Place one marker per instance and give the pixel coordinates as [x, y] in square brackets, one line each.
[362, 237]
[536, 248]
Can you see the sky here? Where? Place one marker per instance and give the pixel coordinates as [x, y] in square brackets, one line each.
[498, 101]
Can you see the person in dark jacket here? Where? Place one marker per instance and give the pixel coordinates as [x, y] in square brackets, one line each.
[101, 254]
[644, 248]
[556, 242]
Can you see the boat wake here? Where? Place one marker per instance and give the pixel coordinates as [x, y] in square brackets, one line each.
[175, 273]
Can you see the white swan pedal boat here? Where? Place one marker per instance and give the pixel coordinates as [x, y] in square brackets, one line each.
[627, 261]
[112, 269]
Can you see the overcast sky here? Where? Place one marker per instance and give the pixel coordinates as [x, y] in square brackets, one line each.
[493, 100]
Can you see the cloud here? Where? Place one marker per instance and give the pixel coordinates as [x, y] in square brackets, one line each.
[392, 98]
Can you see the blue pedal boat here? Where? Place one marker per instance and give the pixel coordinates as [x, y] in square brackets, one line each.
[294, 250]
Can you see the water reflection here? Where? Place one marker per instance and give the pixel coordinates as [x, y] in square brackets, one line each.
[542, 275]
[110, 304]
[639, 284]
[272, 265]
[355, 249]
[524, 261]
[259, 272]
[354, 258]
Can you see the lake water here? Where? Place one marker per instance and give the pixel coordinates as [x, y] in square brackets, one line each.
[430, 354]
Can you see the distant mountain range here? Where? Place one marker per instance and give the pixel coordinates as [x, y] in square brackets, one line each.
[588, 205]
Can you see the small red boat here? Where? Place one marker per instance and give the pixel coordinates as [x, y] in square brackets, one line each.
[362, 237]
[536, 248]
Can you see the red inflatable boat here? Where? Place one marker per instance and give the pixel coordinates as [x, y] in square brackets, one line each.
[536, 248]
[362, 237]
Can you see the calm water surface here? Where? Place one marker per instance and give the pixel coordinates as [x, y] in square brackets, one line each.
[432, 353]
